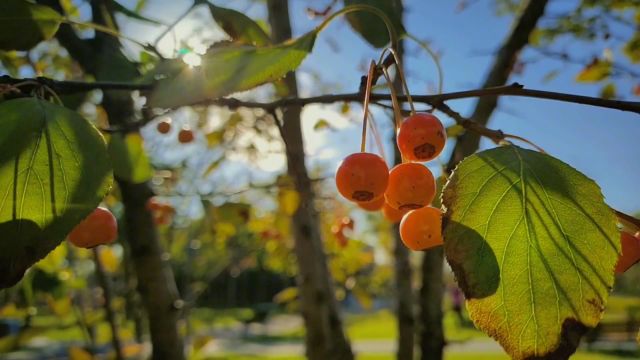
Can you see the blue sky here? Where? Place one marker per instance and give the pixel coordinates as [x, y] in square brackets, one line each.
[601, 143]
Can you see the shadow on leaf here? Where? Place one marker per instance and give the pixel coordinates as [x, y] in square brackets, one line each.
[471, 259]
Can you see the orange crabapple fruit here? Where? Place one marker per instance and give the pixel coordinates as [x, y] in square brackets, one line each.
[411, 186]
[630, 252]
[99, 228]
[421, 137]
[362, 177]
[392, 215]
[373, 205]
[421, 229]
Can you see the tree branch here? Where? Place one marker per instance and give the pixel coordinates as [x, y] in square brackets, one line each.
[515, 89]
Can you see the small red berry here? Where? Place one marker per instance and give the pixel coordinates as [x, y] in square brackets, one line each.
[186, 136]
[99, 228]
[164, 127]
[421, 137]
[362, 177]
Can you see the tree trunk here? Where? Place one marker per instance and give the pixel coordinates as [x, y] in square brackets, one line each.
[325, 338]
[499, 74]
[432, 288]
[103, 58]
[431, 293]
[103, 280]
[405, 298]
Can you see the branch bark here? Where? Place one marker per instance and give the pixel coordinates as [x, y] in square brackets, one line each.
[103, 58]
[324, 337]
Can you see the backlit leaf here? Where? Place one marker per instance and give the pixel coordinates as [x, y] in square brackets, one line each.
[239, 27]
[130, 160]
[54, 170]
[533, 247]
[226, 70]
[370, 26]
[24, 24]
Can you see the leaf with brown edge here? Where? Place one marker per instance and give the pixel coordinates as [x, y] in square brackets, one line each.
[533, 247]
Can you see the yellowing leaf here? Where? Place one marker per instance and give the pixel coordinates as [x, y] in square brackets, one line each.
[533, 246]
[61, 307]
[54, 261]
[608, 91]
[287, 295]
[109, 260]
[130, 160]
[288, 201]
[78, 353]
[596, 71]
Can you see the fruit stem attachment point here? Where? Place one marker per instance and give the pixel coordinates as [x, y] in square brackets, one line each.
[367, 95]
[405, 87]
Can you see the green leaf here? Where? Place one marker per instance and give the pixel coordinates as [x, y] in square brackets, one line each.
[54, 170]
[608, 91]
[632, 48]
[226, 70]
[322, 124]
[132, 14]
[533, 247]
[239, 27]
[370, 26]
[24, 24]
[596, 71]
[130, 160]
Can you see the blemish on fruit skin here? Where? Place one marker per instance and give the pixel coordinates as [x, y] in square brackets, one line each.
[424, 151]
[362, 195]
[410, 206]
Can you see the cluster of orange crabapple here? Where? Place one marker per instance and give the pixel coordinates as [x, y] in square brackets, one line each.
[404, 193]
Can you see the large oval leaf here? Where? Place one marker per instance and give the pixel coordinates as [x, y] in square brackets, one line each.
[54, 170]
[239, 26]
[24, 24]
[226, 70]
[370, 26]
[533, 246]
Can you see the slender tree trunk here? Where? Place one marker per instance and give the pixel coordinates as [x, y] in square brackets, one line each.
[405, 298]
[431, 293]
[103, 280]
[505, 59]
[325, 338]
[103, 58]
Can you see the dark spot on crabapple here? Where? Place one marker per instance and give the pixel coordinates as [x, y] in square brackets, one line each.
[410, 206]
[362, 195]
[424, 151]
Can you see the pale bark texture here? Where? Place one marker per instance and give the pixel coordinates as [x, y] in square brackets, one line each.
[324, 338]
[102, 57]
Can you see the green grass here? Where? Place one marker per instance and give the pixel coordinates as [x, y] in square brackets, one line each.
[466, 356]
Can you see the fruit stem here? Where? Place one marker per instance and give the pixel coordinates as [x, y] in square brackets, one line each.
[367, 94]
[394, 101]
[433, 56]
[511, 136]
[398, 63]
